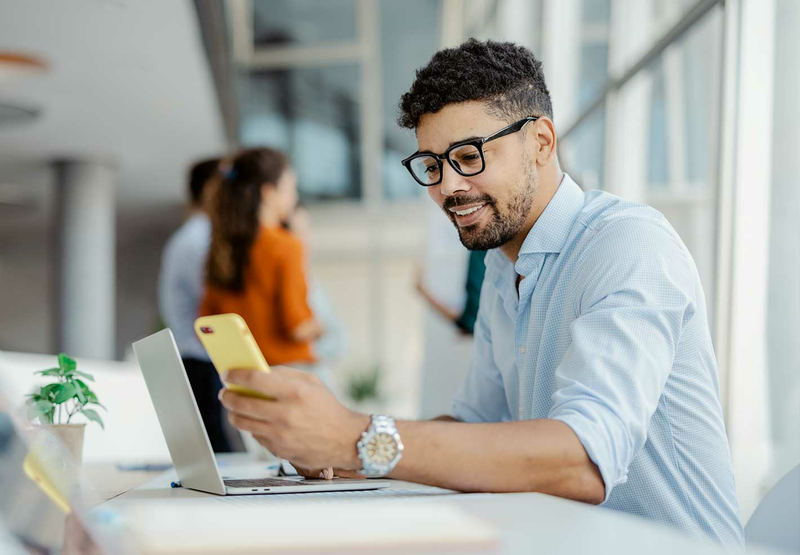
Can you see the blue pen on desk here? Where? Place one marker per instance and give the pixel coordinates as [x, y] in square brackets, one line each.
[149, 467]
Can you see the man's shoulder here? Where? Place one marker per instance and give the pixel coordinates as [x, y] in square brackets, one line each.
[624, 241]
[195, 230]
[190, 239]
[603, 209]
[613, 222]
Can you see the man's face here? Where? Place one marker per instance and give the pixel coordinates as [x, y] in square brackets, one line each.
[502, 193]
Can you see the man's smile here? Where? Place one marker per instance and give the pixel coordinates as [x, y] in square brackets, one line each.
[468, 214]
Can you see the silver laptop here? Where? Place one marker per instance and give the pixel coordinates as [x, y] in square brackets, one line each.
[186, 436]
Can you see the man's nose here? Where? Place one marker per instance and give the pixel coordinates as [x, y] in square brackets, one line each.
[452, 181]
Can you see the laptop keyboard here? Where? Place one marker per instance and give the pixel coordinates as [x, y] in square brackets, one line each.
[267, 483]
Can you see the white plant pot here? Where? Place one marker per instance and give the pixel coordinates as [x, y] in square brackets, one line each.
[59, 448]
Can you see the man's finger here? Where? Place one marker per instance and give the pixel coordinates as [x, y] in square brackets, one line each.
[292, 373]
[255, 427]
[278, 383]
[341, 473]
[253, 407]
[326, 473]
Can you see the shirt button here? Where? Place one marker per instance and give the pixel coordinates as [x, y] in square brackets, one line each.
[522, 350]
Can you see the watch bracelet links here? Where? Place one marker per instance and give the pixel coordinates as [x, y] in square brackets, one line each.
[381, 424]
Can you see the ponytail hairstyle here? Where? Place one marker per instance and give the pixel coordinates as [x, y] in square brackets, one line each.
[235, 211]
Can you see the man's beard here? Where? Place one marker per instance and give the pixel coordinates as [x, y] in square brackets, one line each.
[505, 222]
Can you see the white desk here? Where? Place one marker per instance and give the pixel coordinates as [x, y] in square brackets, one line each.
[525, 522]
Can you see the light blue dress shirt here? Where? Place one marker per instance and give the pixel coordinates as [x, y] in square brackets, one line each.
[609, 335]
[181, 283]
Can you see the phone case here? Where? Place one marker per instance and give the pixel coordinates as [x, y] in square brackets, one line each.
[229, 343]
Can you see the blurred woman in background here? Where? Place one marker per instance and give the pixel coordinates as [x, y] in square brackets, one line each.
[256, 268]
[331, 346]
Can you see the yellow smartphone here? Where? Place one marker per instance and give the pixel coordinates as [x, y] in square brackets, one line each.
[231, 346]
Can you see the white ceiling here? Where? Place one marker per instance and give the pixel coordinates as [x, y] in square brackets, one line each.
[127, 81]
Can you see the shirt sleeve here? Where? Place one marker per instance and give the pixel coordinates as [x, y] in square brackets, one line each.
[176, 302]
[292, 290]
[633, 291]
[481, 396]
[166, 287]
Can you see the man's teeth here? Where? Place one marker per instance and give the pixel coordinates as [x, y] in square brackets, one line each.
[469, 211]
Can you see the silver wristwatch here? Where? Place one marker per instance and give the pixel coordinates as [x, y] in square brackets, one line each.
[380, 447]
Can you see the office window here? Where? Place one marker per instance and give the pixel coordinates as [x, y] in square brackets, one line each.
[583, 151]
[782, 326]
[303, 22]
[407, 43]
[312, 114]
[683, 139]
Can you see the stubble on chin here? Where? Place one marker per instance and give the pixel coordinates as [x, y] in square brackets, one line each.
[505, 223]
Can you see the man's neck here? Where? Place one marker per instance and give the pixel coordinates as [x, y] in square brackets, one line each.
[545, 191]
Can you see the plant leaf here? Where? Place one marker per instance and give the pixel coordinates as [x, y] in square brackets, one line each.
[92, 415]
[33, 412]
[56, 390]
[99, 404]
[39, 409]
[67, 392]
[81, 397]
[84, 375]
[85, 394]
[50, 389]
[50, 372]
[66, 363]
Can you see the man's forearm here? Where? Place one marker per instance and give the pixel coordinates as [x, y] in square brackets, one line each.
[532, 455]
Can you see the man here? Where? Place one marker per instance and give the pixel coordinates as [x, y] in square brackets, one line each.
[180, 291]
[594, 376]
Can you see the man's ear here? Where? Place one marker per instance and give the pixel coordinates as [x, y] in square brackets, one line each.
[544, 132]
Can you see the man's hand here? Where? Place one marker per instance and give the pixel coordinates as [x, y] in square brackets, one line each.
[304, 423]
[326, 473]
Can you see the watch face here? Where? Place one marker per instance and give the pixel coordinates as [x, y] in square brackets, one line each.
[382, 449]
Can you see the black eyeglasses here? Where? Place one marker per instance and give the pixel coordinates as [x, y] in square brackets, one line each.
[465, 157]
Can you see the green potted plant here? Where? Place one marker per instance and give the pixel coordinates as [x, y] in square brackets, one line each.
[57, 403]
[363, 389]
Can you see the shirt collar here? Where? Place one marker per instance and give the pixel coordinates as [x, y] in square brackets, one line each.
[551, 230]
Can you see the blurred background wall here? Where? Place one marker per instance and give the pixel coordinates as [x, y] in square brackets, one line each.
[687, 105]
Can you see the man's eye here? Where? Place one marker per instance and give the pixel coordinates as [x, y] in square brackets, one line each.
[431, 169]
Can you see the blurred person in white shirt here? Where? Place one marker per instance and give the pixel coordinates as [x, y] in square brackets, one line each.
[181, 285]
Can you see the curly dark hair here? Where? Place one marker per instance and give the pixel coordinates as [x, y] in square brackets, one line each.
[234, 214]
[506, 76]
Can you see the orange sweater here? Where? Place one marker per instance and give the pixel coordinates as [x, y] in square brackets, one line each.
[274, 300]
